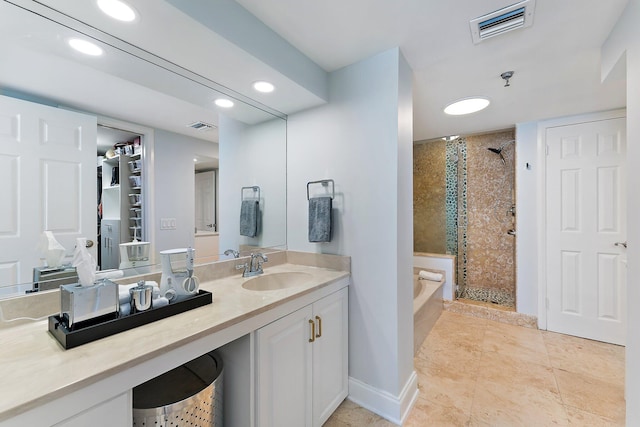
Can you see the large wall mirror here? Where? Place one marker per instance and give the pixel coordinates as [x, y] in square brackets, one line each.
[125, 139]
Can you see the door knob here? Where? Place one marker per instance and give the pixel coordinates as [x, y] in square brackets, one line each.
[623, 244]
[89, 243]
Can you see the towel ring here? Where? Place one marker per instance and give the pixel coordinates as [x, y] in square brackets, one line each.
[254, 188]
[325, 183]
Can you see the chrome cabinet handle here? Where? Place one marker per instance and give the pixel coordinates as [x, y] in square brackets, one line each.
[623, 244]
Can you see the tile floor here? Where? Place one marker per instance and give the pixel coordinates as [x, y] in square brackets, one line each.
[477, 372]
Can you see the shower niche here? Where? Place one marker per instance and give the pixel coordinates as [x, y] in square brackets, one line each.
[464, 205]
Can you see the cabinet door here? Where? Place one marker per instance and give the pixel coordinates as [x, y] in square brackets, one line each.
[330, 356]
[283, 371]
[115, 412]
[110, 239]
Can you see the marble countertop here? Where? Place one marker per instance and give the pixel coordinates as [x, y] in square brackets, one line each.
[34, 367]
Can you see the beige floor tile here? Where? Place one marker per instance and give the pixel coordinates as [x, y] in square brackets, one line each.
[497, 404]
[478, 372]
[512, 373]
[334, 421]
[458, 323]
[350, 414]
[524, 343]
[591, 394]
[427, 413]
[446, 387]
[593, 358]
[457, 343]
[512, 391]
[581, 418]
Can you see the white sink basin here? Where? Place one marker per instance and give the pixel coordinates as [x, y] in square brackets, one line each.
[275, 281]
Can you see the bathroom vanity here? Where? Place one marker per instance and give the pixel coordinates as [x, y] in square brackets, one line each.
[282, 338]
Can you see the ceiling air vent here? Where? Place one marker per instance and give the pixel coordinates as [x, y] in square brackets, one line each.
[201, 126]
[512, 17]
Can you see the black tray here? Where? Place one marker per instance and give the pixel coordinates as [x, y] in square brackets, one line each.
[91, 332]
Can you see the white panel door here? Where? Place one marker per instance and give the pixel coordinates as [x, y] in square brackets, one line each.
[205, 185]
[586, 224]
[48, 172]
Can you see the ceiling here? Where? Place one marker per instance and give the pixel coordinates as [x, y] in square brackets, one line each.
[556, 61]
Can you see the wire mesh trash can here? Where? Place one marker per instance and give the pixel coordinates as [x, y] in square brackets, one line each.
[189, 395]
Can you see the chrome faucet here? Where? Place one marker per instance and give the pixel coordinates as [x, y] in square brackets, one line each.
[235, 253]
[253, 267]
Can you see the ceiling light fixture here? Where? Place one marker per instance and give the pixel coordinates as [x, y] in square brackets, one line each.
[85, 47]
[466, 106]
[224, 102]
[117, 10]
[264, 87]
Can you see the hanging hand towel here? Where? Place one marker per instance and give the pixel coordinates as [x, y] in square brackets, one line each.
[320, 219]
[249, 211]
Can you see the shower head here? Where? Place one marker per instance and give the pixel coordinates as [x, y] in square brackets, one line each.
[499, 150]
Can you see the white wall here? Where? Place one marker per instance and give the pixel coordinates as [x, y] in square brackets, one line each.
[363, 140]
[174, 186]
[623, 44]
[527, 181]
[253, 155]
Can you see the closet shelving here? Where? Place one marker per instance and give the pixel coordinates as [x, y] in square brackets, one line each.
[122, 203]
[136, 206]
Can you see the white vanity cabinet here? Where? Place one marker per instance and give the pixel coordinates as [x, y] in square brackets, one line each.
[301, 364]
[115, 412]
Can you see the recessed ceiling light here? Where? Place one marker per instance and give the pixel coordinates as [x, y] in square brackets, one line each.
[117, 10]
[224, 102]
[85, 47]
[264, 87]
[466, 106]
[195, 160]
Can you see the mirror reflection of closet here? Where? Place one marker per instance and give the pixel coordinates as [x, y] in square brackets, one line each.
[120, 193]
[206, 208]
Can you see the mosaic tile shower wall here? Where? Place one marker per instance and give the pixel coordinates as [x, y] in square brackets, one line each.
[456, 208]
[490, 198]
[463, 200]
[429, 192]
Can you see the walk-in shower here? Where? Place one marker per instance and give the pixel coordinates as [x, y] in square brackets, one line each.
[464, 205]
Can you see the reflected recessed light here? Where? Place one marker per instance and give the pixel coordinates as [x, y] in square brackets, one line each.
[117, 10]
[85, 47]
[224, 102]
[264, 87]
[466, 106]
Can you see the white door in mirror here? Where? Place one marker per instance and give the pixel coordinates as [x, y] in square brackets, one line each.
[52, 152]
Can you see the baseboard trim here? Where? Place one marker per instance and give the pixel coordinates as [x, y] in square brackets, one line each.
[392, 408]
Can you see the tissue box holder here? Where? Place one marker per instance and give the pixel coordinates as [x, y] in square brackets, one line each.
[80, 304]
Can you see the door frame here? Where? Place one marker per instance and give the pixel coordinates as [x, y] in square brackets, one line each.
[542, 195]
[148, 187]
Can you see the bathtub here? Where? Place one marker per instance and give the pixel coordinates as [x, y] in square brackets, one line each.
[437, 262]
[427, 306]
